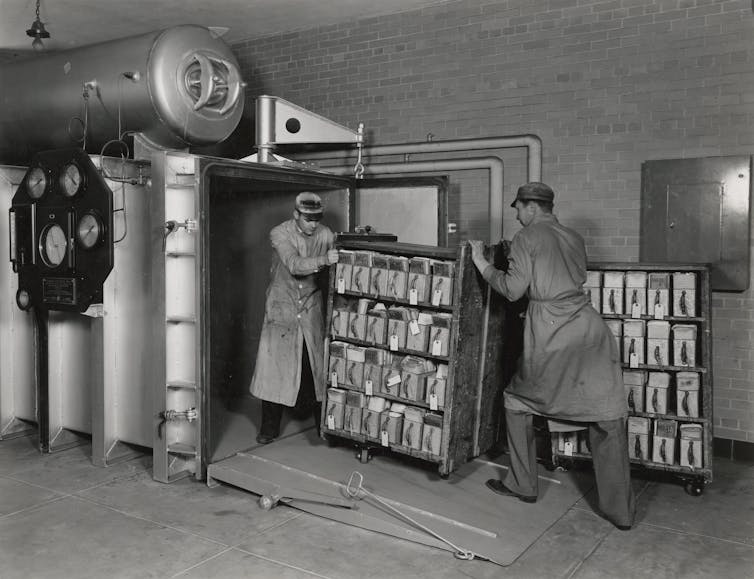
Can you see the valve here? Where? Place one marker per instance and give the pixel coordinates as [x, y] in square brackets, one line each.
[171, 226]
[188, 415]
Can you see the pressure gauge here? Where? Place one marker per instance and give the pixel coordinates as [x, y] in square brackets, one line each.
[53, 245]
[23, 299]
[36, 182]
[71, 180]
[89, 230]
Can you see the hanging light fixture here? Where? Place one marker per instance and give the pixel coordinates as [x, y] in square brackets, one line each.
[37, 32]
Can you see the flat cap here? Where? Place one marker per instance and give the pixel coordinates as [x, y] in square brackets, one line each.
[534, 191]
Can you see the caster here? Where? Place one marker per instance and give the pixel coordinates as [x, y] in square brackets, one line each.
[562, 465]
[695, 489]
[364, 456]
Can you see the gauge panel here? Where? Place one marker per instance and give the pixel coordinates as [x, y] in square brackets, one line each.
[37, 182]
[71, 179]
[53, 245]
[90, 230]
[23, 299]
[61, 222]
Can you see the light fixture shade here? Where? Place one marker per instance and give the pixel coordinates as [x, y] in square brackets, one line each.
[37, 30]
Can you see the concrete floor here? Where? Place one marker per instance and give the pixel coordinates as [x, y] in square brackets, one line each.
[62, 517]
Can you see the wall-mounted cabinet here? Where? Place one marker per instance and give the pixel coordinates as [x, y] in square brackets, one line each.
[698, 211]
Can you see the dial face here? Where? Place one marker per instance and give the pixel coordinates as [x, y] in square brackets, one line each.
[53, 245]
[36, 182]
[23, 299]
[89, 230]
[71, 180]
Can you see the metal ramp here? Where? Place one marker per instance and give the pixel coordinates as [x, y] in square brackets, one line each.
[313, 477]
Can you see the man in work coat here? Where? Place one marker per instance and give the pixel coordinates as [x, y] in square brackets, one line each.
[289, 368]
[570, 366]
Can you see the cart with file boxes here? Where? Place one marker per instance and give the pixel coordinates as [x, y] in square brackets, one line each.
[414, 353]
[659, 315]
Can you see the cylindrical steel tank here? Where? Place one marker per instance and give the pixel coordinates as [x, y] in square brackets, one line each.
[178, 87]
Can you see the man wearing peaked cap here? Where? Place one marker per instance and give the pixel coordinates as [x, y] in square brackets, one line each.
[289, 369]
[535, 191]
[570, 366]
[309, 204]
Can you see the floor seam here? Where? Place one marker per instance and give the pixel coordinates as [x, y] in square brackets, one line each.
[586, 557]
[279, 524]
[31, 484]
[200, 563]
[35, 506]
[288, 565]
[148, 520]
[693, 534]
[99, 502]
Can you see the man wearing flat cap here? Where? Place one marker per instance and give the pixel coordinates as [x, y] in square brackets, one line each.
[570, 367]
[289, 370]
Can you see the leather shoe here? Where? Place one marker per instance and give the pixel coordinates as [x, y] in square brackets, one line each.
[498, 487]
[624, 527]
[264, 438]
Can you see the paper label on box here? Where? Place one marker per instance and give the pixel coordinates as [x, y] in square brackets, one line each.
[341, 285]
[330, 422]
[635, 311]
[659, 312]
[436, 348]
[436, 297]
[384, 439]
[413, 297]
[568, 448]
[334, 379]
[433, 402]
[413, 326]
[369, 388]
[393, 380]
[394, 342]
[633, 361]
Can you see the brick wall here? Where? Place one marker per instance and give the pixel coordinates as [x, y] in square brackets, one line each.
[606, 85]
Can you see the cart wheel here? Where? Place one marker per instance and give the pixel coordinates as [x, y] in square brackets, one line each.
[694, 488]
[266, 502]
[563, 464]
[364, 456]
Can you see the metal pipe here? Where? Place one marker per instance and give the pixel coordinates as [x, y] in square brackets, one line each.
[493, 164]
[532, 143]
[265, 127]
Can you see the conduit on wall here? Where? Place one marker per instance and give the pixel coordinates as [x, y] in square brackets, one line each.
[532, 143]
[493, 164]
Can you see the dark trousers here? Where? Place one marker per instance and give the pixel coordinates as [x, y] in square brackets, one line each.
[306, 402]
[609, 444]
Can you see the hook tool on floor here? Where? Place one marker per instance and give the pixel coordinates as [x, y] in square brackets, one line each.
[355, 486]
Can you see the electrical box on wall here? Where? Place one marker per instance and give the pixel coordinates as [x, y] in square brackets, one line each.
[698, 211]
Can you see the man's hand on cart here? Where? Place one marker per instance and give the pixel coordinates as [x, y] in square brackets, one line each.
[477, 254]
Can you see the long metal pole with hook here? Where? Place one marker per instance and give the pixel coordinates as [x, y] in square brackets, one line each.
[355, 485]
[358, 169]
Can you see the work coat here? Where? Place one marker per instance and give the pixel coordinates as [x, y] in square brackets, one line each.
[293, 313]
[570, 366]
